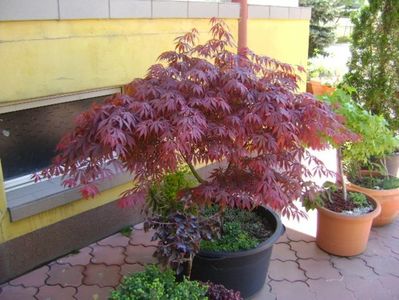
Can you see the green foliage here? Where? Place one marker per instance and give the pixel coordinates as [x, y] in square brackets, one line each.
[376, 139]
[153, 284]
[326, 196]
[374, 66]
[242, 230]
[378, 183]
[348, 7]
[358, 198]
[321, 35]
[163, 197]
[234, 238]
[126, 231]
[343, 39]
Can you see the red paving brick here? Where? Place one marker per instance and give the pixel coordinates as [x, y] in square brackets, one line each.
[17, 293]
[352, 267]
[35, 278]
[82, 258]
[115, 241]
[108, 255]
[331, 290]
[65, 275]
[286, 270]
[282, 251]
[365, 289]
[384, 265]
[102, 275]
[140, 237]
[56, 293]
[298, 270]
[296, 291]
[140, 254]
[93, 293]
[308, 250]
[319, 269]
[128, 269]
[391, 284]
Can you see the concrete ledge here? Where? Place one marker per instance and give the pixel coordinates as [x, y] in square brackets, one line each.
[169, 9]
[29, 251]
[88, 9]
[18, 10]
[39, 197]
[258, 12]
[126, 9]
[202, 10]
[13, 10]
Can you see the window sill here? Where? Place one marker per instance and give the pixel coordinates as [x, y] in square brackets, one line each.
[36, 198]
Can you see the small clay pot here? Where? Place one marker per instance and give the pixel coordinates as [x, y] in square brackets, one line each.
[344, 235]
[318, 89]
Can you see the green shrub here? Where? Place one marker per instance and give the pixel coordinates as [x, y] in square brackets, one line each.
[154, 284]
[376, 139]
[321, 35]
[374, 64]
[163, 197]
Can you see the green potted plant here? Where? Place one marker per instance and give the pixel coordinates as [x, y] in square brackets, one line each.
[364, 160]
[203, 104]
[345, 217]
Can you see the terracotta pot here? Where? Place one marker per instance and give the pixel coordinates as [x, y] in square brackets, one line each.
[389, 200]
[344, 235]
[318, 89]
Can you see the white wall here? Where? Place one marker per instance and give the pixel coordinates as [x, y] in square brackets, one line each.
[291, 3]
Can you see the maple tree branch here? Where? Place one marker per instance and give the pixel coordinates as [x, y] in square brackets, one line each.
[194, 171]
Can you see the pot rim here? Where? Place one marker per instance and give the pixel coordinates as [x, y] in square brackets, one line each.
[279, 231]
[368, 190]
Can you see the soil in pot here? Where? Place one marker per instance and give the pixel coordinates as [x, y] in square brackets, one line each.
[238, 266]
[384, 190]
[356, 205]
[343, 228]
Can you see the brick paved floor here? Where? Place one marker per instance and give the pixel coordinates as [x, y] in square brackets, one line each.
[298, 270]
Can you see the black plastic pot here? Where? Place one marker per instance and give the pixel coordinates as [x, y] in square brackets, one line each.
[243, 271]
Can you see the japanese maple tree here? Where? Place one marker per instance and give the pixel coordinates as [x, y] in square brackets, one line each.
[202, 104]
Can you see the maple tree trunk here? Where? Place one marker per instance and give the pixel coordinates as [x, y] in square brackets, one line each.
[195, 173]
[341, 174]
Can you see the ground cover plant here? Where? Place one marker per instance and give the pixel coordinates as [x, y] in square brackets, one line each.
[156, 284]
[203, 104]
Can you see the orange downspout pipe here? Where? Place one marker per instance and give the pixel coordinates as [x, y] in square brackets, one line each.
[242, 24]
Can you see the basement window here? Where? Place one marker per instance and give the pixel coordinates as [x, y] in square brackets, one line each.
[29, 133]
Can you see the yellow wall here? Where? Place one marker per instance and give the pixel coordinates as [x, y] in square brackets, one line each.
[51, 57]
[42, 58]
[286, 40]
